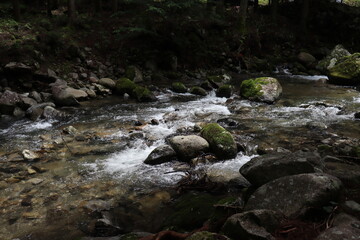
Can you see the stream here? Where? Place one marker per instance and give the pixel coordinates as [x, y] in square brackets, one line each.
[104, 160]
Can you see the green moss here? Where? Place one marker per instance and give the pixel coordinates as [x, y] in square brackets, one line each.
[224, 91]
[198, 91]
[251, 88]
[221, 141]
[143, 94]
[178, 87]
[125, 85]
[347, 68]
[130, 72]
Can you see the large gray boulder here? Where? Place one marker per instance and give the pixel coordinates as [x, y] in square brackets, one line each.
[294, 195]
[346, 71]
[344, 227]
[188, 147]
[256, 224]
[65, 95]
[161, 154]
[264, 89]
[330, 60]
[266, 168]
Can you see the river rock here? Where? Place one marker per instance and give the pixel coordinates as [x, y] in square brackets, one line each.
[66, 96]
[133, 73]
[268, 167]
[37, 110]
[30, 155]
[306, 58]
[264, 89]
[330, 60]
[17, 67]
[346, 71]
[8, 102]
[46, 75]
[143, 94]
[50, 112]
[107, 82]
[344, 227]
[206, 236]
[348, 173]
[124, 85]
[161, 154]
[221, 141]
[178, 87]
[293, 195]
[35, 95]
[224, 91]
[256, 224]
[27, 102]
[198, 91]
[219, 80]
[188, 147]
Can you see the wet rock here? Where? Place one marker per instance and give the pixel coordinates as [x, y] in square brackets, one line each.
[37, 110]
[296, 194]
[330, 60]
[348, 173]
[268, 167]
[50, 112]
[352, 208]
[27, 102]
[219, 80]
[16, 67]
[306, 58]
[70, 130]
[143, 94]
[264, 89]
[224, 91]
[91, 93]
[206, 236]
[100, 89]
[346, 71]
[198, 91]
[46, 75]
[206, 85]
[125, 85]
[35, 95]
[133, 73]
[8, 102]
[97, 206]
[178, 87]
[35, 181]
[256, 224]
[47, 97]
[161, 154]
[188, 147]
[107, 82]
[344, 227]
[18, 112]
[357, 115]
[30, 155]
[154, 122]
[73, 76]
[66, 96]
[221, 141]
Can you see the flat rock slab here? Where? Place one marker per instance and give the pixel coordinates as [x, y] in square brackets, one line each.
[266, 168]
[294, 195]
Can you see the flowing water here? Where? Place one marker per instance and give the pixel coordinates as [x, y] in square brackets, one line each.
[107, 162]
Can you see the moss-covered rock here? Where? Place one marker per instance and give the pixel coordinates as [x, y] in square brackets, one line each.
[264, 89]
[224, 91]
[206, 236]
[143, 94]
[125, 85]
[221, 141]
[133, 73]
[346, 71]
[331, 59]
[178, 87]
[198, 91]
[219, 80]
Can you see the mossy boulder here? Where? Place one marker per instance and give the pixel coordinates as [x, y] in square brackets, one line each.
[125, 85]
[133, 73]
[221, 141]
[346, 71]
[198, 91]
[143, 94]
[264, 89]
[224, 91]
[178, 87]
[218, 80]
[331, 59]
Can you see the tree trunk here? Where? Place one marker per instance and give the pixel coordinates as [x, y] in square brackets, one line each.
[304, 15]
[16, 8]
[243, 11]
[71, 10]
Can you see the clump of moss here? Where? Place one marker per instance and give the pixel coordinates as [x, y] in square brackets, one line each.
[347, 70]
[198, 91]
[178, 87]
[251, 88]
[221, 141]
[224, 91]
[125, 85]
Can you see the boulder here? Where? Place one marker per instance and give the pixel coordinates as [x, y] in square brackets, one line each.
[344, 227]
[133, 73]
[8, 102]
[224, 91]
[161, 154]
[35, 95]
[125, 85]
[198, 91]
[50, 112]
[347, 172]
[143, 94]
[346, 71]
[218, 80]
[34, 112]
[30, 155]
[178, 87]
[188, 147]
[206, 236]
[27, 102]
[306, 58]
[264, 89]
[46, 75]
[18, 68]
[256, 224]
[330, 60]
[296, 194]
[221, 141]
[268, 167]
[66, 96]
[107, 82]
